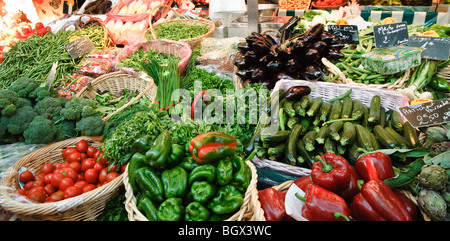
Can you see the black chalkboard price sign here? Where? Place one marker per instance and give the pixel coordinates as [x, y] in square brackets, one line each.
[434, 47]
[79, 47]
[391, 35]
[346, 33]
[427, 114]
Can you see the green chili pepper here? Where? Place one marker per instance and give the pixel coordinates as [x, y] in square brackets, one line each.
[227, 200]
[224, 172]
[174, 182]
[171, 210]
[146, 206]
[203, 172]
[196, 212]
[150, 183]
[202, 191]
[439, 83]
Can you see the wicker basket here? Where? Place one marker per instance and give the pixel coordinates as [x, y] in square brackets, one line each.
[95, 21]
[117, 81]
[85, 207]
[245, 213]
[192, 41]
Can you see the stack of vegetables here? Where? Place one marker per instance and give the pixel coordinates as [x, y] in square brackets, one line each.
[207, 182]
[310, 127]
[36, 115]
[263, 60]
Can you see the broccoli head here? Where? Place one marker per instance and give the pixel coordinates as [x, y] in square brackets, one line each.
[23, 85]
[91, 126]
[40, 131]
[7, 97]
[49, 107]
[65, 130]
[78, 108]
[17, 123]
[41, 93]
[9, 110]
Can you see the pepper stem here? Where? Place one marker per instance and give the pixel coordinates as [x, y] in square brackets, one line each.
[338, 215]
[303, 199]
[360, 183]
[326, 167]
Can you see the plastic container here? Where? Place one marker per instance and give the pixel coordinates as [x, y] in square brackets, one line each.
[391, 60]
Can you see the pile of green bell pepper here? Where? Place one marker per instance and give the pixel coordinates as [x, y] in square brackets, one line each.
[170, 185]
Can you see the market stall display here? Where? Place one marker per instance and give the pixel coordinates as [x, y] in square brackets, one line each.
[165, 123]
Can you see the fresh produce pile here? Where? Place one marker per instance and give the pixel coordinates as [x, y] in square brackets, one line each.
[206, 183]
[338, 191]
[82, 170]
[310, 127]
[36, 115]
[179, 30]
[263, 60]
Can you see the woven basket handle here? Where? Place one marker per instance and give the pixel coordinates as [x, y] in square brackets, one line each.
[105, 119]
[150, 18]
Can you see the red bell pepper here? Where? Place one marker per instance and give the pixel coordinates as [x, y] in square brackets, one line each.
[272, 202]
[212, 146]
[331, 172]
[352, 188]
[323, 205]
[304, 183]
[377, 202]
[375, 166]
[409, 205]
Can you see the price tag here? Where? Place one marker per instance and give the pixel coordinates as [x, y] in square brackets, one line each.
[435, 48]
[391, 35]
[427, 114]
[79, 47]
[346, 33]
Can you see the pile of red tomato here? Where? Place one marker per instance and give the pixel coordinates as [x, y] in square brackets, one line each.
[83, 169]
[329, 3]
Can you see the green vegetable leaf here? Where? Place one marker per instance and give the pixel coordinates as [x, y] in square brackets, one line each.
[406, 175]
[442, 159]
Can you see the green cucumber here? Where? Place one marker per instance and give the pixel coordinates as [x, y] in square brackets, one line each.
[348, 134]
[363, 138]
[309, 139]
[315, 107]
[289, 109]
[324, 111]
[374, 140]
[291, 145]
[329, 146]
[396, 121]
[336, 110]
[302, 152]
[322, 135]
[374, 113]
[358, 110]
[347, 106]
[386, 140]
[410, 135]
[382, 121]
[334, 129]
[274, 139]
[277, 151]
[400, 140]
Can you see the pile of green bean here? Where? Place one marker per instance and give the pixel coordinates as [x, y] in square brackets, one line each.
[34, 57]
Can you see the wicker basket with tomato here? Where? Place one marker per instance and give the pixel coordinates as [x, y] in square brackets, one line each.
[60, 182]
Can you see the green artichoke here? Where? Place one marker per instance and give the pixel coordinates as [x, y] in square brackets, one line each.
[433, 204]
[440, 147]
[446, 195]
[433, 177]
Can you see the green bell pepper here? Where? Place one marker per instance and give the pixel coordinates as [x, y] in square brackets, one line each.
[137, 161]
[212, 146]
[242, 174]
[439, 83]
[224, 172]
[227, 200]
[196, 212]
[150, 183]
[158, 154]
[176, 155]
[188, 164]
[202, 191]
[142, 144]
[203, 172]
[171, 210]
[146, 206]
[174, 182]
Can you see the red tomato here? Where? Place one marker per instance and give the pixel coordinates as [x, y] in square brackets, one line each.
[39, 25]
[48, 178]
[70, 173]
[91, 176]
[38, 183]
[36, 195]
[28, 185]
[91, 151]
[84, 156]
[74, 157]
[47, 168]
[49, 189]
[76, 166]
[99, 158]
[65, 183]
[67, 151]
[82, 145]
[81, 184]
[98, 166]
[87, 163]
[64, 165]
[102, 175]
[111, 176]
[89, 187]
[56, 196]
[39, 176]
[72, 191]
[26, 176]
[21, 192]
[112, 168]
[80, 177]
[56, 179]
[122, 168]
